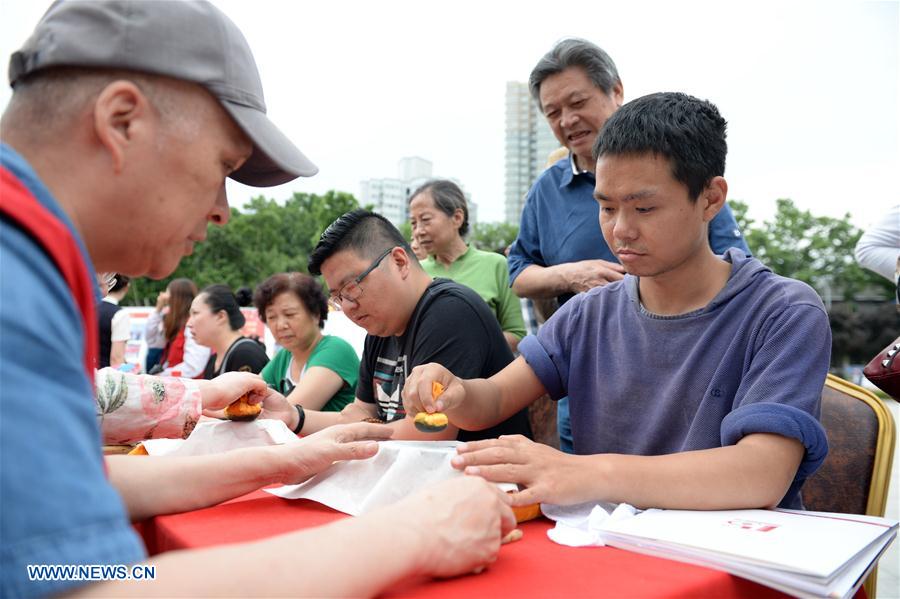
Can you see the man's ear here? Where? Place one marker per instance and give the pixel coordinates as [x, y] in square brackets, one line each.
[617, 93]
[713, 197]
[121, 115]
[401, 259]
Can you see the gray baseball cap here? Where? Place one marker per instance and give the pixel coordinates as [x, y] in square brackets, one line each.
[190, 40]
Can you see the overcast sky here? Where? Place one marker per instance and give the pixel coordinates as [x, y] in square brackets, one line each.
[810, 90]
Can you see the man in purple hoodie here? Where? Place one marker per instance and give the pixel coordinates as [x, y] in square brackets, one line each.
[695, 381]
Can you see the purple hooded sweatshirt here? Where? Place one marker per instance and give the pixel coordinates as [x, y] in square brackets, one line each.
[754, 360]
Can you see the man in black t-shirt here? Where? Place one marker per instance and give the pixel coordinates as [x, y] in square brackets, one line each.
[410, 319]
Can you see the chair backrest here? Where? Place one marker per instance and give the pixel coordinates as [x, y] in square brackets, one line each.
[854, 478]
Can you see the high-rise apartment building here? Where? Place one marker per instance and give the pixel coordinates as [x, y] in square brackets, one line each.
[389, 197]
[529, 141]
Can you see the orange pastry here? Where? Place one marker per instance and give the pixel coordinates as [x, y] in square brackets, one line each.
[436, 421]
[242, 410]
[431, 423]
[524, 513]
[138, 449]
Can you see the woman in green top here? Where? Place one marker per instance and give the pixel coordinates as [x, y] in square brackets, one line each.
[316, 372]
[440, 220]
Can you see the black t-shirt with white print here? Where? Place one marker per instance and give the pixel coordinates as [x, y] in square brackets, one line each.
[451, 326]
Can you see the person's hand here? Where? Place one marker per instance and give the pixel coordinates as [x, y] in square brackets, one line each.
[547, 475]
[353, 412]
[226, 388]
[587, 274]
[460, 522]
[417, 390]
[162, 300]
[275, 406]
[298, 462]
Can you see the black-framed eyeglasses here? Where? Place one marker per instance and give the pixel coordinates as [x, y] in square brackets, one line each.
[351, 290]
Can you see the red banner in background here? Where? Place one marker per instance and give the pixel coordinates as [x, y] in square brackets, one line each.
[337, 324]
[254, 327]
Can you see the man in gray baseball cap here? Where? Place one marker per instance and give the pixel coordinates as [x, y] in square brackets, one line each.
[191, 41]
[172, 84]
[126, 118]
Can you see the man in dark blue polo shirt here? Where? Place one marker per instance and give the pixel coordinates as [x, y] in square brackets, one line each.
[560, 251]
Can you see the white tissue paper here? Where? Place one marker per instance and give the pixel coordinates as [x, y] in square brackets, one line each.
[581, 525]
[217, 436]
[398, 469]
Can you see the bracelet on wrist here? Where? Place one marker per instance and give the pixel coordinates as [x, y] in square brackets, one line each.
[301, 419]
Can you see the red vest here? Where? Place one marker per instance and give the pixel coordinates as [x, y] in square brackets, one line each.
[174, 352]
[24, 210]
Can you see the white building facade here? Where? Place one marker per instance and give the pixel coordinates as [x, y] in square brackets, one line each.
[529, 141]
[389, 197]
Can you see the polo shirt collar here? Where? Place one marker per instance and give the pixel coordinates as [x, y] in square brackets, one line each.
[573, 171]
[452, 264]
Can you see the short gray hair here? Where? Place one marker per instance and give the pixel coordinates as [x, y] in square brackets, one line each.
[574, 52]
[448, 198]
[48, 100]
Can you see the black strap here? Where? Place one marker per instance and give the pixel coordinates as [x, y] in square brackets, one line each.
[228, 353]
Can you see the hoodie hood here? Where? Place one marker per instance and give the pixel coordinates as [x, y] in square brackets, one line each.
[744, 269]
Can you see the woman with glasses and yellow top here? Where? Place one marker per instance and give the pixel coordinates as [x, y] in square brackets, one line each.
[316, 373]
[439, 217]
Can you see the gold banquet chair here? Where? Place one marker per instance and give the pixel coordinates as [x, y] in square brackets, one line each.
[854, 477]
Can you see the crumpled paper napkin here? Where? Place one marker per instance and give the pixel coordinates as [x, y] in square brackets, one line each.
[580, 525]
[397, 470]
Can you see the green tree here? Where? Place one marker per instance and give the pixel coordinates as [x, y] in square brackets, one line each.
[740, 209]
[493, 236]
[817, 250]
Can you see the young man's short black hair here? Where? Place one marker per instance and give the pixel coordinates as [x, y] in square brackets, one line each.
[120, 283]
[687, 131]
[365, 233]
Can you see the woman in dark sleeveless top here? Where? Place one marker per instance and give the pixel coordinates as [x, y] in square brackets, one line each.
[216, 321]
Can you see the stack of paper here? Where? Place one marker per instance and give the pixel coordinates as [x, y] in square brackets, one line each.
[807, 554]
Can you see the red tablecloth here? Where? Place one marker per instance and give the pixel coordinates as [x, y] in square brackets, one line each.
[532, 567]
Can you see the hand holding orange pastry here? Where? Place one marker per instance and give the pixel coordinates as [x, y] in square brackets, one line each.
[436, 421]
[242, 410]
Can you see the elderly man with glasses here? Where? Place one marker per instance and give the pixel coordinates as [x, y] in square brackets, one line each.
[410, 318]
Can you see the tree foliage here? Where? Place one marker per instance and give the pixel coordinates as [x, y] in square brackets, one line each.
[818, 250]
[493, 236]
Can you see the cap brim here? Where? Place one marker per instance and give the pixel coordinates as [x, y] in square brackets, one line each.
[275, 159]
